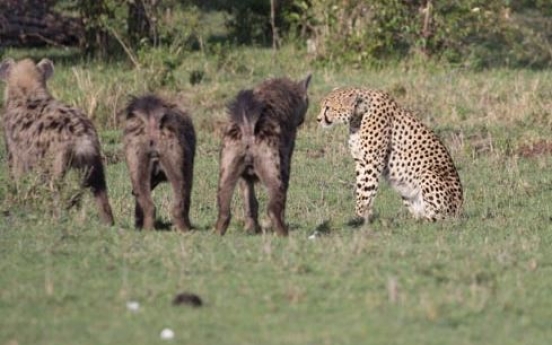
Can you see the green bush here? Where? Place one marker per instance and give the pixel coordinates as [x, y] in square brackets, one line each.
[473, 33]
[477, 33]
[116, 26]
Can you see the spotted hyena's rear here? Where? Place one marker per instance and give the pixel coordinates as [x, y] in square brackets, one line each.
[43, 133]
[159, 140]
[257, 146]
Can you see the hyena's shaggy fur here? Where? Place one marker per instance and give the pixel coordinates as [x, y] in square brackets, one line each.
[257, 146]
[159, 141]
[43, 133]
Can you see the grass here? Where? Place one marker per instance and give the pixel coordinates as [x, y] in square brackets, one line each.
[481, 279]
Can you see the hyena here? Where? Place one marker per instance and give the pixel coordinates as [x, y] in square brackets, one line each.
[42, 133]
[257, 145]
[159, 143]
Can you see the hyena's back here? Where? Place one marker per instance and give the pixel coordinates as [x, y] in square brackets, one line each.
[44, 134]
[159, 142]
[49, 129]
[244, 113]
[257, 146]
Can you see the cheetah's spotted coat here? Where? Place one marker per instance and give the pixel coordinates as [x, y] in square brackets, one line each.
[387, 140]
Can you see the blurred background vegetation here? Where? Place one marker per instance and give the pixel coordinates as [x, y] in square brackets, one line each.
[472, 33]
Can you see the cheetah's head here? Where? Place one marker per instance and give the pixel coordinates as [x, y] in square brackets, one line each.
[338, 107]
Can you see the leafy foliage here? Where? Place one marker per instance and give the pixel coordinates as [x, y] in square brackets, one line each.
[476, 32]
[473, 33]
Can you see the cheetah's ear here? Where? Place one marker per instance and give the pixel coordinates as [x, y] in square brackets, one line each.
[305, 82]
[5, 68]
[47, 68]
[353, 100]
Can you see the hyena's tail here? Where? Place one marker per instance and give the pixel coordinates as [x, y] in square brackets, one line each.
[246, 111]
[87, 156]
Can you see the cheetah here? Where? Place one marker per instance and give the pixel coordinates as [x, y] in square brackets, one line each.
[387, 140]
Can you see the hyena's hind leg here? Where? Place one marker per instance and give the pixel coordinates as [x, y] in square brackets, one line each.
[268, 170]
[140, 176]
[181, 185]
[231, 168]
[251, 205]
[54, 174]
[95, 180]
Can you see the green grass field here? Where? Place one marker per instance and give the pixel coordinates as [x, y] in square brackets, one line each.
[483, 279]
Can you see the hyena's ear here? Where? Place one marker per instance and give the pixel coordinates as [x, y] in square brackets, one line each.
[132, 109]
[305, 82]
[5, 68]
[127, 112]
[121, 115]
[47, 68]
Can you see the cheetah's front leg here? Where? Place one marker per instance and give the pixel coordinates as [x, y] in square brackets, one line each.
[367, 182]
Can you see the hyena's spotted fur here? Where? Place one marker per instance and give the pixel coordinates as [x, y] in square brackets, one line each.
[257, 146]
[43, 133]
[159, 141]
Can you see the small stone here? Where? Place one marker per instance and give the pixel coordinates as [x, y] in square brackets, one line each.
[314, 235]
[167, 334]
[133, 306]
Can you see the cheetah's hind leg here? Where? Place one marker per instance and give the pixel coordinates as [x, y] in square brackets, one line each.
[427, 202]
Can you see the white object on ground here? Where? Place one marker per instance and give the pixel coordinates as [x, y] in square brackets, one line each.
[314, 235]
[133, 306]
[167, 334]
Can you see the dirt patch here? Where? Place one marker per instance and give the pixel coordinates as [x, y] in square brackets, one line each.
[186, 298]
[536, 149]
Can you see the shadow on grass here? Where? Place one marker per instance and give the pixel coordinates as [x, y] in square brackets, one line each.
[162, 225]
[323, 228]
[355, 223]
[375, 222]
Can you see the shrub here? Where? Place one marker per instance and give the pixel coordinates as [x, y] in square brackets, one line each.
[473, 32]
